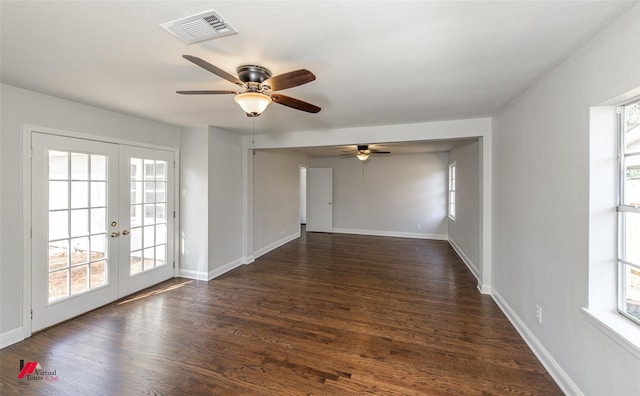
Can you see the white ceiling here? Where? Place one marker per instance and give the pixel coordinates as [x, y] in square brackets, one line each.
[376, 62]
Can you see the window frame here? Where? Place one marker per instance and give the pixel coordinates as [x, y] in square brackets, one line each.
[451, 195]
[622, 210]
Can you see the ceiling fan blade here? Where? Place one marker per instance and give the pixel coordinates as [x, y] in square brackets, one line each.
[290, 79]
[380, 152]
[215, 70]
[295, 103]
[206, 92]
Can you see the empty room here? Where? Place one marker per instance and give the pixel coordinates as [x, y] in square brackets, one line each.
[320, 197]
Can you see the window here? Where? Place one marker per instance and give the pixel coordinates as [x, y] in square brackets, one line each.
[452, 190]
[629, 211]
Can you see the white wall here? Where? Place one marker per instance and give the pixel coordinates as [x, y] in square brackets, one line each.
[211, 204]
[20, 107]
[276, 200]
[395, 194]
[194, 202]
[464, 231]
[225, 203]
[541, 212]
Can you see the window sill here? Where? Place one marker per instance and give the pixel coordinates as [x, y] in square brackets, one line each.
[620, 329]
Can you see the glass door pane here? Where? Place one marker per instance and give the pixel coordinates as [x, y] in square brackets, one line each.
[77, 223]
[148, 202]
[146, 212]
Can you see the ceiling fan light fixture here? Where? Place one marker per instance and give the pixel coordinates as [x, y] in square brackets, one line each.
[253, 103]
[362, 156]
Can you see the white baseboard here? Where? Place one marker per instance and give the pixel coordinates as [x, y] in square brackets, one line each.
[11, 337]
[192, 274]
[469, 263]
[214, 273]
[559, 375]
[482, 288]
[485, 289]
[394, 234]
[276, 244]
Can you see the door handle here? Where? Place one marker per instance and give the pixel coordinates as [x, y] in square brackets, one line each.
[115, 234]
[125, 232]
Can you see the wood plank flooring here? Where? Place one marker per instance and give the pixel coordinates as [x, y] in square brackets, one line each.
[327, 314]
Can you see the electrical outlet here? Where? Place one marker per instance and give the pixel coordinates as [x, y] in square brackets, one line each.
[539, 314]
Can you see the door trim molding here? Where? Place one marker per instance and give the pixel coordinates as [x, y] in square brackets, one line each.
[27, 132]
[28, 128]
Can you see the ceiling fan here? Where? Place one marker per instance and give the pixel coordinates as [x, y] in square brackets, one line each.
[364, 152]
[258, 87]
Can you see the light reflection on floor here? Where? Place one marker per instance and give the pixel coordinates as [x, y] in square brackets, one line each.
[154, 292]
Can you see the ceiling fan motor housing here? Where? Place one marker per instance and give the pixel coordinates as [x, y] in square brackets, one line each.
[253, 73]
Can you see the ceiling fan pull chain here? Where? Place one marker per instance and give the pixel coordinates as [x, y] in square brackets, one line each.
[253, 137]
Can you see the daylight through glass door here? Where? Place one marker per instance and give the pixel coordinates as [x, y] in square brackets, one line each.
[77, 223]
[148, 213]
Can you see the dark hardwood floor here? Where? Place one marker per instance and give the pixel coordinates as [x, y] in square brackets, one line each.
[323, 315]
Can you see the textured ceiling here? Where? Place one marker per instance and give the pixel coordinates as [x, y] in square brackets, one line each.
[376, 62]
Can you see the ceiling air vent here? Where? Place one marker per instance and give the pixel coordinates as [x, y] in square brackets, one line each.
[195, 28]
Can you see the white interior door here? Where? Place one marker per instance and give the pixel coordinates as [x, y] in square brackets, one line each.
[303, 195]
[102, 224]
[320, 210]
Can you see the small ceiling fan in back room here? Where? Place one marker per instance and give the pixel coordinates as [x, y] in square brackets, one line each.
[258, 87]
[364, 152]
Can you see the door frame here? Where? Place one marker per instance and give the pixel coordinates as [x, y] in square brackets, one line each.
[27, 210]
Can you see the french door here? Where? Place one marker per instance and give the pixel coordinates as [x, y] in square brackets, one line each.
[102, 224]
[146, 216]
